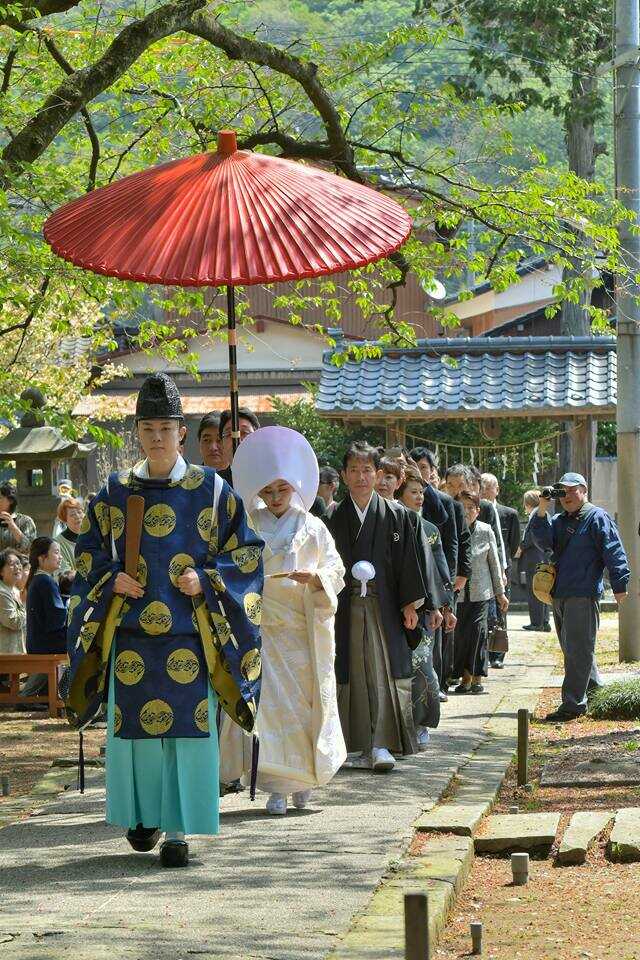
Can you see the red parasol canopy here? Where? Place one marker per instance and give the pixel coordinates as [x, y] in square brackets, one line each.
[227, 218]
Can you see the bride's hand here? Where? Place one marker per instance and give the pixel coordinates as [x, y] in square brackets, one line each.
[303, 576]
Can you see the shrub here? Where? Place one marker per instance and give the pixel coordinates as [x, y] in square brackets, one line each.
[616, 701]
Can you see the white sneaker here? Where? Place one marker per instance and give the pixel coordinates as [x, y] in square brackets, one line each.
[382, 760]
[422, 734]
[277, 804]
[301, 799]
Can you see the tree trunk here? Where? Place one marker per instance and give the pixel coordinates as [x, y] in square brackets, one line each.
[581, 152]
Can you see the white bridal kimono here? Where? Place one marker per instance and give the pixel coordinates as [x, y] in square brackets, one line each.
[301, 741]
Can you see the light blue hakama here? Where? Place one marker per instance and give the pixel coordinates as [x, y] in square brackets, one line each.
[167, 783]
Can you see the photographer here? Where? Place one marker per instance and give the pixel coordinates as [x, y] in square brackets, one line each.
[17, 530]
[584, 540]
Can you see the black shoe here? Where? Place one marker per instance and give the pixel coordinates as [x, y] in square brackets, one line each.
[531, 626]
[143, 839]
[561, 716]
[461, 688]
[174, 853]
[477, 688]
[497, 665]
[546, 628]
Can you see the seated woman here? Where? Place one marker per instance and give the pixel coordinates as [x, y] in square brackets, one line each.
[70, 513]
[301, 741]
[12, 613]
[471, 659]
[46, 610]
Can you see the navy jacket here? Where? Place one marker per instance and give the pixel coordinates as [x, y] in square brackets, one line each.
[46, 616]
[532, 554]
[594, 546]
[464, 540]
[438, 510]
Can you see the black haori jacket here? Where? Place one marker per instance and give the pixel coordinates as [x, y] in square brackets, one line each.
[387, 541]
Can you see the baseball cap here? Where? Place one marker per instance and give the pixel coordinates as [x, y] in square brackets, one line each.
[573, 480]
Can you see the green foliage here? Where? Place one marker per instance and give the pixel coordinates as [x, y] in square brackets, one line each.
[616, 701]
[329, 440]
[607, 445]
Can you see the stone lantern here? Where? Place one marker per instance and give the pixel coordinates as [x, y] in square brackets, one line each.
[41, 454]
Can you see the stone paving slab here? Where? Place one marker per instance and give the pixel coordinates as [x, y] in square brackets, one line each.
[519, 831]
[458, 818]
[584, 827]
[624, 843]
[439, 871]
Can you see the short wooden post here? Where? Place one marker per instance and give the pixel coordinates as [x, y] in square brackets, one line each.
[416, 927]
[523, 747]
[5, 786]
[476, 937]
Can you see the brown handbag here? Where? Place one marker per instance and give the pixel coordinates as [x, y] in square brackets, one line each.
[498, 640]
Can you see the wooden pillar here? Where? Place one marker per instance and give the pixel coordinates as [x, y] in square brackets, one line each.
[395, 434]
[584, 446]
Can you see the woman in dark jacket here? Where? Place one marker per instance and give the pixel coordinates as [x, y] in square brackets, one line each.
[425, 686]
[46, 610]
[530, 555]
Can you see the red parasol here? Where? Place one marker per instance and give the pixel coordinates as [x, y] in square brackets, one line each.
[230, 218]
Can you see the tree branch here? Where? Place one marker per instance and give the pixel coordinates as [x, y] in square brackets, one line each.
[246, 49]
[84, 85]
[66, 67]
[306, 149]
[26, 323]
[37, 8]
[6, 70]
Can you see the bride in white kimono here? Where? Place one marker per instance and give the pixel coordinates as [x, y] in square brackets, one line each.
[275, 471]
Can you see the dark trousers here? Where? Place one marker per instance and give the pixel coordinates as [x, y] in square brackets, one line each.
[471, 638]
[443, 655]
[577, 620]
[539, 612]
[425, 686]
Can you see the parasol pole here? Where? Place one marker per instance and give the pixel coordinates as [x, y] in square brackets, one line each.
[232, 339]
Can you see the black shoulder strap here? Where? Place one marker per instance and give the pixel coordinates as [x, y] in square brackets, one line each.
[569, 530]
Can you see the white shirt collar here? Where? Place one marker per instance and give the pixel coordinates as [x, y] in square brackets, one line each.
[177, 471]
[362, 514]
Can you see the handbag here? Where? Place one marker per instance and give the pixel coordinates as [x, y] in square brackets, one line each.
[498, 640]
[543, 582]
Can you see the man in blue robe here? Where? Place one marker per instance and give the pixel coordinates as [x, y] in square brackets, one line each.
[166, 647]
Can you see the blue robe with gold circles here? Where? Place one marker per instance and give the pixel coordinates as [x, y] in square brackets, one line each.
[167, 647]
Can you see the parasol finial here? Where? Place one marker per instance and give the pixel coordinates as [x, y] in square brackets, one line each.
[227, 143]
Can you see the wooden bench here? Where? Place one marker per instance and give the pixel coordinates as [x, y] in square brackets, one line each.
[15, 664]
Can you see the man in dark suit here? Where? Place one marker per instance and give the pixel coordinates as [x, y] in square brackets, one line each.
[448, 516]
[248, 423]
[510, 528]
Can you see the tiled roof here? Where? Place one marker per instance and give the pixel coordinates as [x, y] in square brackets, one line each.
[539, 375]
